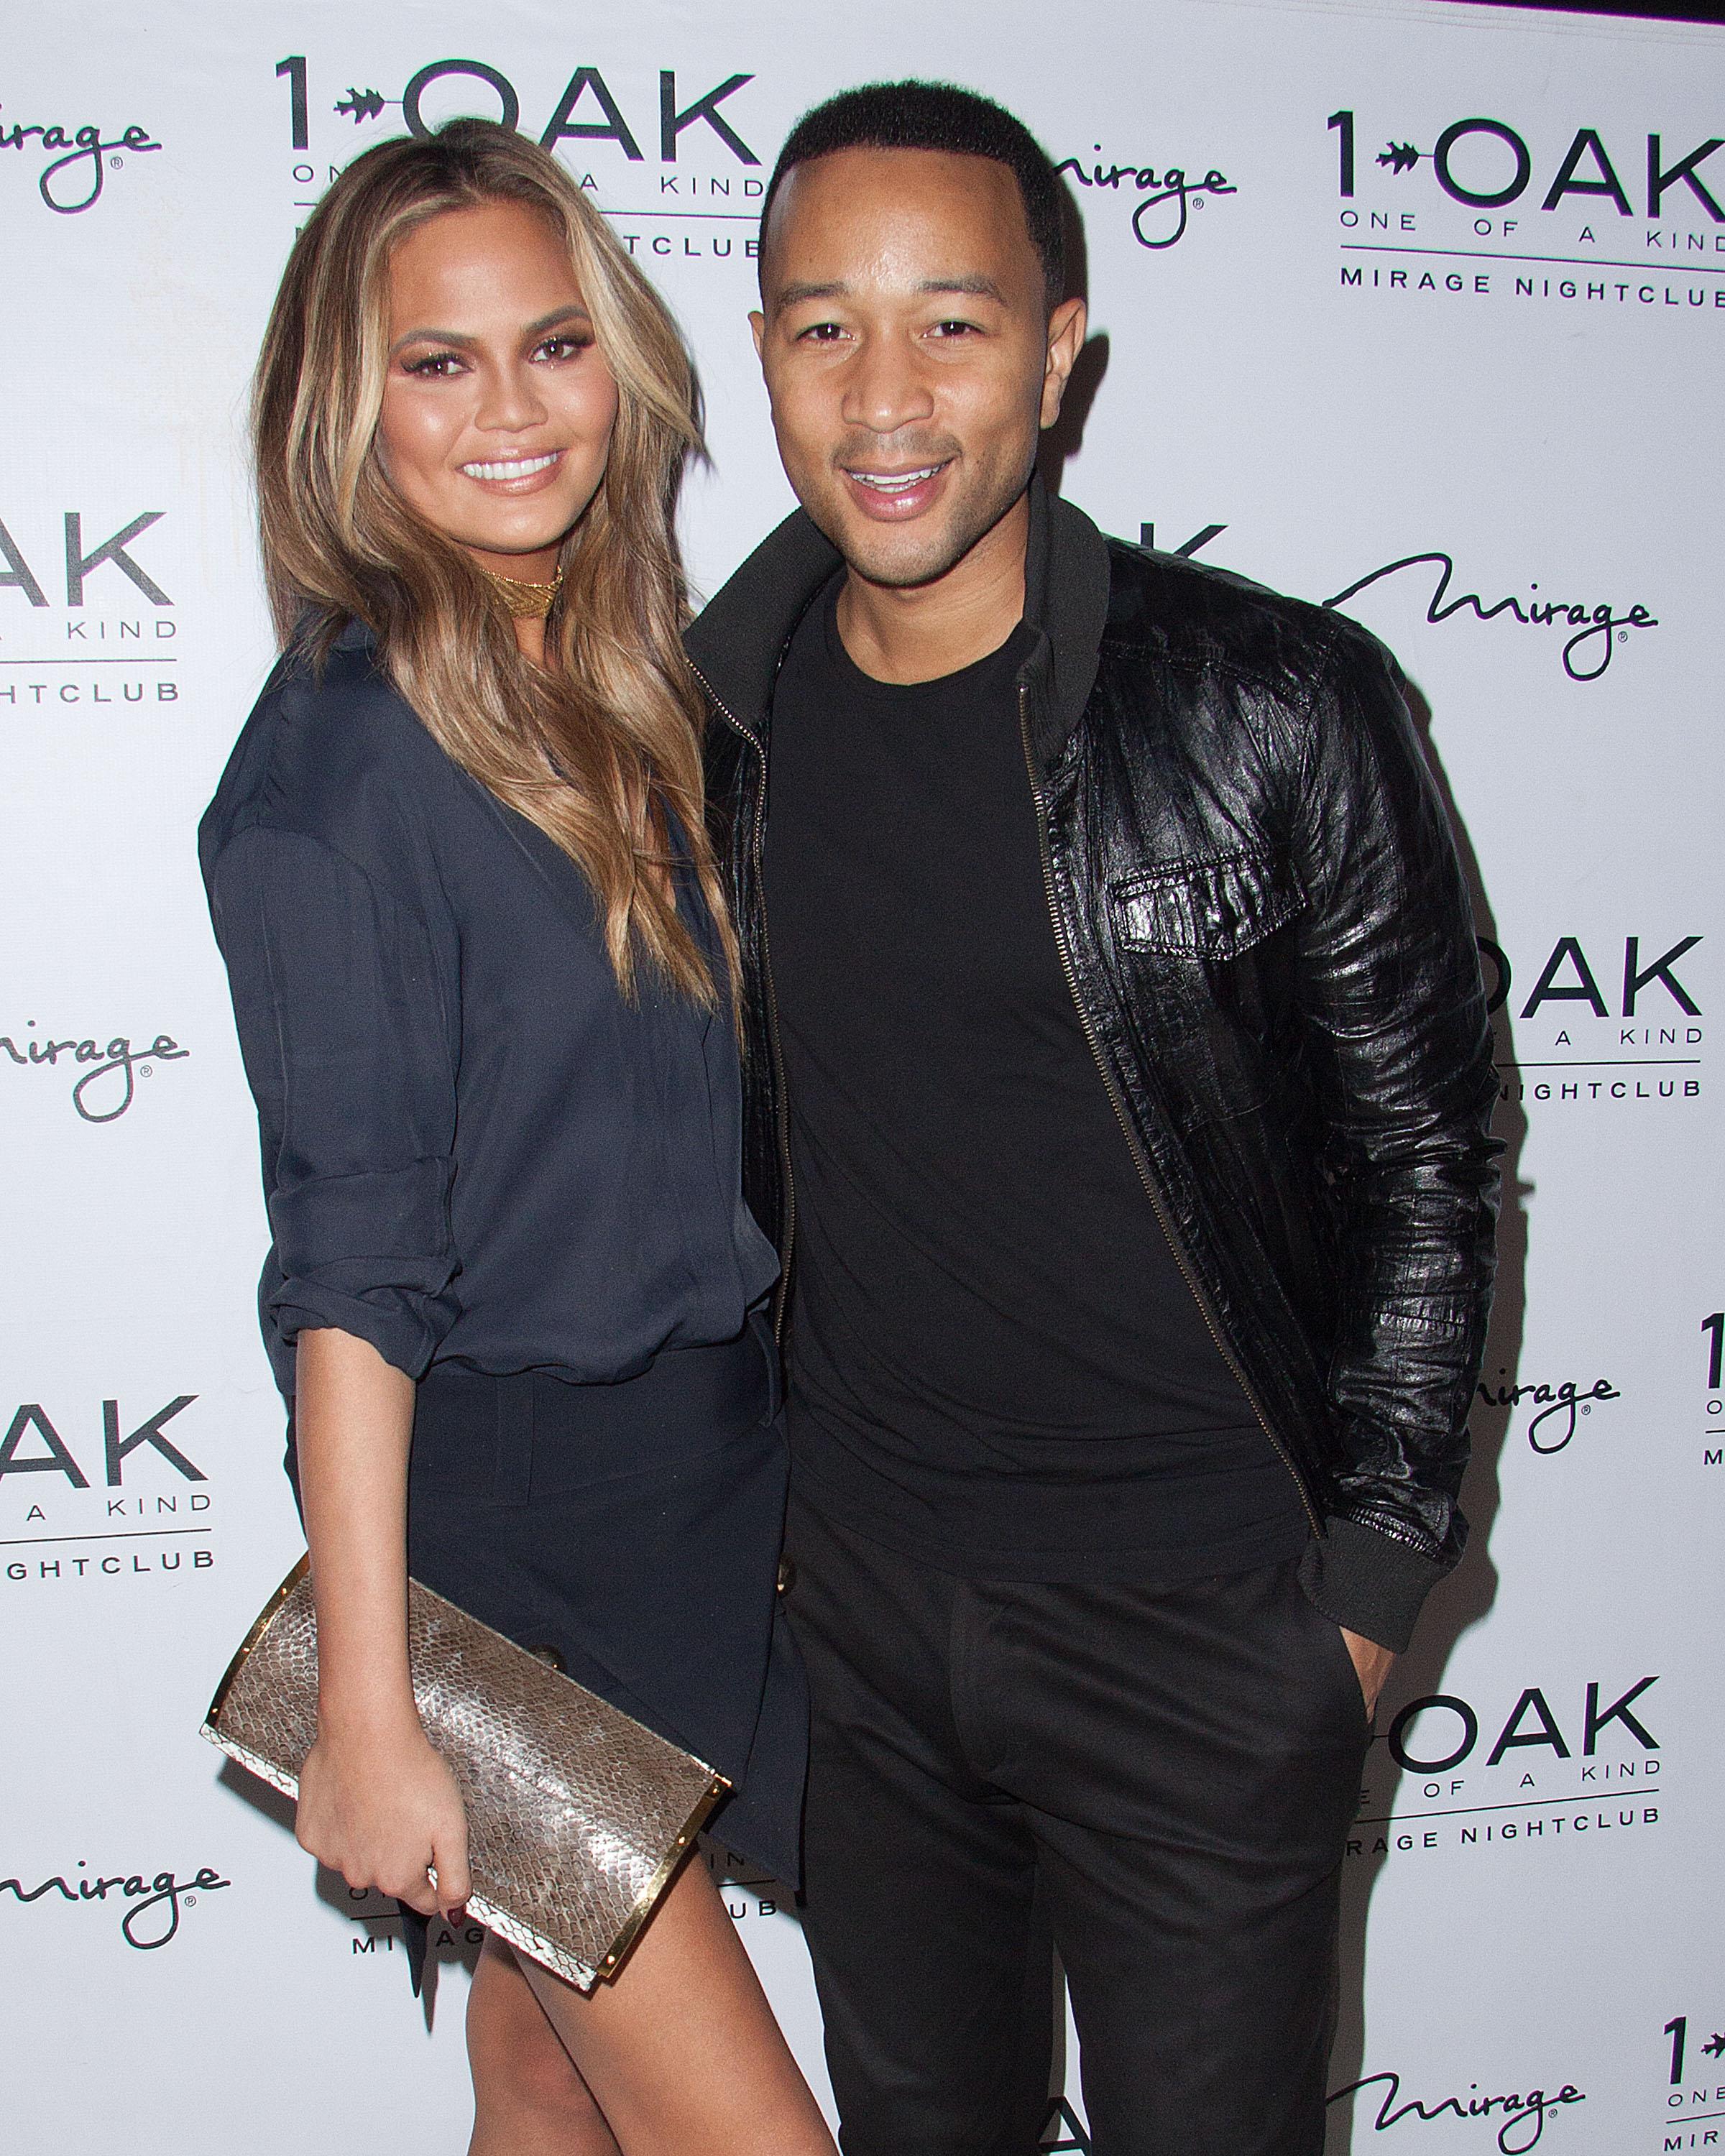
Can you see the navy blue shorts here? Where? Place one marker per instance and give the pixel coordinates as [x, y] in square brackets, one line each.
[633, 1530]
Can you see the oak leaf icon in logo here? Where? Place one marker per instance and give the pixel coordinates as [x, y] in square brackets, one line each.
[362, 105]
[1399, 156]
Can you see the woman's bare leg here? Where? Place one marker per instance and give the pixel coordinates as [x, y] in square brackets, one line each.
[681, 2051]
[528, 2099]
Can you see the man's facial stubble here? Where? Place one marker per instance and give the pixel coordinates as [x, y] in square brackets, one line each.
[909, 353]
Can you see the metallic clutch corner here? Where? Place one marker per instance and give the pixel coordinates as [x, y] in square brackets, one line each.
[577, 1816]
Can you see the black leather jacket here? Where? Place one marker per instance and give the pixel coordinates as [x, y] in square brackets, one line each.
[1259, 908]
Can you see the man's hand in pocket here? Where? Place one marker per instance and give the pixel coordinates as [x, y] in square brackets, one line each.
[1372, 1665]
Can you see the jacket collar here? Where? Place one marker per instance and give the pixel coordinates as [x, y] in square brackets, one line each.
[739, 638]
[1067, 597]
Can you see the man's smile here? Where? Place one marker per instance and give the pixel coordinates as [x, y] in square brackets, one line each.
[895, 494]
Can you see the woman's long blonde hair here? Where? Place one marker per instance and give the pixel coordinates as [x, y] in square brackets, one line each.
[602, 745]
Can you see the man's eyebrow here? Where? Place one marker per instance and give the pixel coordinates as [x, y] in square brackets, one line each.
[573, 313]
[975, 287]
[792, 295]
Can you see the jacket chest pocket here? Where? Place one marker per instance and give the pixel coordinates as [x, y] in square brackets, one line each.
[1216, 909]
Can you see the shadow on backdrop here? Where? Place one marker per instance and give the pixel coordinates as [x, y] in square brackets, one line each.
[1064, 439]
[374, 1920]
[1466, 1596]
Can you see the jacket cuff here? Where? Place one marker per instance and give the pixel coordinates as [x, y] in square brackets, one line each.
[1368, 1582]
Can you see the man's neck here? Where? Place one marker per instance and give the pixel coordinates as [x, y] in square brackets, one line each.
[921, 632]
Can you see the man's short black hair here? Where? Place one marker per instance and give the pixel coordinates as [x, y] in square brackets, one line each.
[935, 115]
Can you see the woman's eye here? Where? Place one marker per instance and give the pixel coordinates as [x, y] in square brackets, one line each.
[564, 347]
[435, 365]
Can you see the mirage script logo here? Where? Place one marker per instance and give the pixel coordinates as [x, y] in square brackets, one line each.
[1597, 627]
[105, 1086]
[1583, 659]
[150, 1903]
[83, 159]
[1522, 2118]
[1556, 1405]
[1169, 192]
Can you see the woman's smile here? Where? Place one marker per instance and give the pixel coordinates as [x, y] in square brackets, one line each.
[514, 474]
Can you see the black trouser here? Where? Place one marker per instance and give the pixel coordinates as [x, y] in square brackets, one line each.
[1162, 1778]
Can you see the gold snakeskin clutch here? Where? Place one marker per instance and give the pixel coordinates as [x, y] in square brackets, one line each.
[577, 1816]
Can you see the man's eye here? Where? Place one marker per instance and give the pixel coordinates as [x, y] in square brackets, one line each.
[954, 329]
[820, 333]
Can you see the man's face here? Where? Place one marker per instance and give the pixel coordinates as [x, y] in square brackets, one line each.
[909, 354]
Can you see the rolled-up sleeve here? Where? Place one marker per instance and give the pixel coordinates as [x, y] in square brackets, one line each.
[347, 1036]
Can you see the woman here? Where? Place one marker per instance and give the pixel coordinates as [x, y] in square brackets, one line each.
[481, 969]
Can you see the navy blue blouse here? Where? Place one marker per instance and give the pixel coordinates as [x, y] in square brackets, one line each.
[475, 1150]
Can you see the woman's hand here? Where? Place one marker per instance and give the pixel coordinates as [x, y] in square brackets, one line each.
[376, 1804]
[381, 1807]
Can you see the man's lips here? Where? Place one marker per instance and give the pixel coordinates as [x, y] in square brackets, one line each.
[891, 496]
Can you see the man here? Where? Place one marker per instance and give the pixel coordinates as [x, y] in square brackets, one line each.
[1120, 1078]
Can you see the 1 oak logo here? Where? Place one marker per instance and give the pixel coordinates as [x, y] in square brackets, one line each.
[1699, 2100]
[81, 563]
[1569, 976]
[1485, 165]
[1530, 1724]
[587, 111]
[53, 1455]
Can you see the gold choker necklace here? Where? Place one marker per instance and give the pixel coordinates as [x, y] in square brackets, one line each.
[526, 601]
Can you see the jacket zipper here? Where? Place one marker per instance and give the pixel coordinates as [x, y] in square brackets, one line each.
[1146, 1175]
[780, 1110]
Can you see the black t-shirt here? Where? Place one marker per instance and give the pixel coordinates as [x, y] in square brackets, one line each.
[995, 1362]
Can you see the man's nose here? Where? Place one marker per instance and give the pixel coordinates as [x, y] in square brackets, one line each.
[886, 389]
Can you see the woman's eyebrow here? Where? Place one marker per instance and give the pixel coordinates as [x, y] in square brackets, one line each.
[573, 313]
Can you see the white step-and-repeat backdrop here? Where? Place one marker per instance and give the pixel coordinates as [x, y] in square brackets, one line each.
[1416, 308]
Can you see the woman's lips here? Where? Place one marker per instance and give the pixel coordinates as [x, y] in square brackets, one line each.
[891, 497]
[514, 475]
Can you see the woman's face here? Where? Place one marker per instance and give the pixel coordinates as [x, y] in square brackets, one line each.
[498, 408]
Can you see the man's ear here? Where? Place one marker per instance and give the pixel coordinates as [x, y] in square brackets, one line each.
[757, 323]
[1065, 340]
